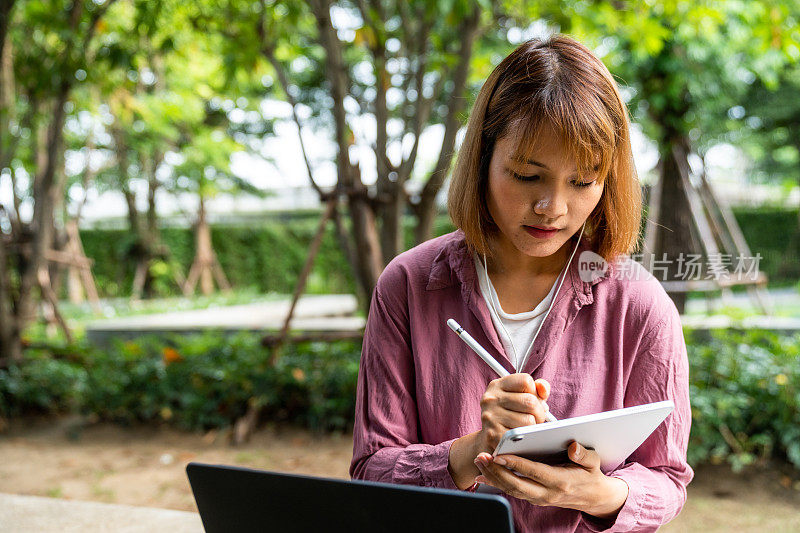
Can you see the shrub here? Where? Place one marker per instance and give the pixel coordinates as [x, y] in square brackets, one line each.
[745, 397]
[193, 382]
[41, 384]
[744, 387]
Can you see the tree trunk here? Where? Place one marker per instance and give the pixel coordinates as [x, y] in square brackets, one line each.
[59, 242]
[57, 270]
[364, 230]
[797, 147]
[365, 235]
[75, 289]
[43, 209]
[5, 16]
[426, 209]
[390, 203]
[674, 235]
[139, 252]
[392, 208]
[10, 346]
[205, 266]
[152, 189]
[32, 241]
[146, 232]
[205, 251]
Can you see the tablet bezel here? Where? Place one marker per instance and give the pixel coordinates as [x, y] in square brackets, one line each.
[644, 415]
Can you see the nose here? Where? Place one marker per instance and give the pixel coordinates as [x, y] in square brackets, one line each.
[551, 204]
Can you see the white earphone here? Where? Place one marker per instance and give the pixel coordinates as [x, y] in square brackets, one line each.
[563, 275]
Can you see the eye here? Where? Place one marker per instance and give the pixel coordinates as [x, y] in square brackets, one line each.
[582, 184]
[520, 177]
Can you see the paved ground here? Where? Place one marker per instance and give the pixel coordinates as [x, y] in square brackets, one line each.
[255, 315]
[707, 314]
[779, 323]
[785, 300]
[335, 312]
[28, 514]
[145, 466]
[324, 313]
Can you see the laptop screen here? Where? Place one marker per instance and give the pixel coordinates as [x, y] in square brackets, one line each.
[240, 499]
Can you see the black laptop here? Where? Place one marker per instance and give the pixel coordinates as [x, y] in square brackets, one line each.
[243, 500]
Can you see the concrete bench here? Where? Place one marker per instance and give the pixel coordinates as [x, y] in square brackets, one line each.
[29, 514]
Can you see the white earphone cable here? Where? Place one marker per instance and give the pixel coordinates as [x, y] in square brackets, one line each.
[497, 315]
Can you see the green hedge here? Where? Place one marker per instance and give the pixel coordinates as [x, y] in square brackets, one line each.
[267, 256]
[745, 387]
[773, 233]
[264, 258]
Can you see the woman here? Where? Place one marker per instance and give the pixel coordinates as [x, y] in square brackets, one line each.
[545, 171]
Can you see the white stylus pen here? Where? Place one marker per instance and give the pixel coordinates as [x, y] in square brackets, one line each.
[481, 351]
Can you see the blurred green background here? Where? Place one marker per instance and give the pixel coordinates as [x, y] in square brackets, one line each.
[188, 149]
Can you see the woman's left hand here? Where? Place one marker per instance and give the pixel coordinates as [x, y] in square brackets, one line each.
[581, 485]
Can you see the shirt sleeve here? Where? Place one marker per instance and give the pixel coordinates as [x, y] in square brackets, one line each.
[386, 445]
[657, 473]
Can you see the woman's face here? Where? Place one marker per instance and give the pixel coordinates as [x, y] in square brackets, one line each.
[543, 192]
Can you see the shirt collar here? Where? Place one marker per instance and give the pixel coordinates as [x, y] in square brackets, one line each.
[453, 264]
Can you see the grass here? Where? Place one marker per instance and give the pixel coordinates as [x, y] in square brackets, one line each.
[55, 492]
[103, 494]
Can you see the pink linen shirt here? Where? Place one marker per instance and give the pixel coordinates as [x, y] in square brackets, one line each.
[610, 343]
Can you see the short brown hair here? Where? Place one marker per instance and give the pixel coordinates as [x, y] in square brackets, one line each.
[559, 81]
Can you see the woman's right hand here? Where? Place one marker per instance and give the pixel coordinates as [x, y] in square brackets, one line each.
[510, 402]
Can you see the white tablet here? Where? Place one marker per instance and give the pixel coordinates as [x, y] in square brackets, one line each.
[615, 435]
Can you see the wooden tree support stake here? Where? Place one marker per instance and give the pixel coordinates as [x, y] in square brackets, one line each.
[245, 425]
[717, 231]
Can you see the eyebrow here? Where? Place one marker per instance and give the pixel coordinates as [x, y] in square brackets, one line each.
[532, 162]
[538, 164]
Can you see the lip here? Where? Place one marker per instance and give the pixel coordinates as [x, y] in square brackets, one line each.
[543, 228]
[541, 233]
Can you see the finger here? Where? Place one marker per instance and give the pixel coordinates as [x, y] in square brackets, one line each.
[520, 382]
[518, 420]
[542, 388]
[510, 483]
[583, 456]
[515, 419]
[545, 475]
[521, 402]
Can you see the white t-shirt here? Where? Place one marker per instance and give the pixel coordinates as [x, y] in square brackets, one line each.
[521, 326]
